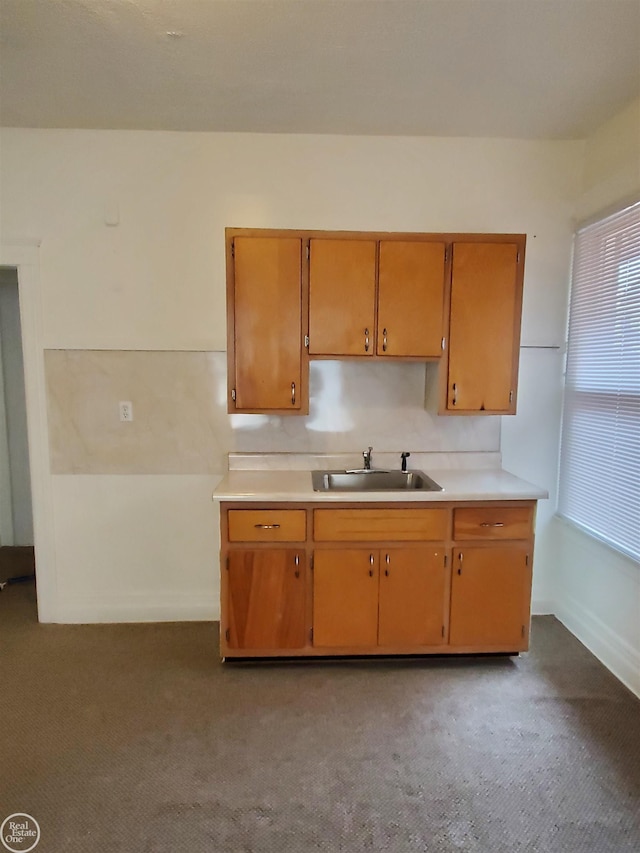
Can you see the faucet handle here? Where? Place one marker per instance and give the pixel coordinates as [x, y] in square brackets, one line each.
[403, 456]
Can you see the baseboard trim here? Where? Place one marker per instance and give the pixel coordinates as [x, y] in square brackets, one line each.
[610, 648]
[542, 607]
[143, 608]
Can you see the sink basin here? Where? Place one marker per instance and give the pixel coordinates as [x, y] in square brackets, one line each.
[373, 481]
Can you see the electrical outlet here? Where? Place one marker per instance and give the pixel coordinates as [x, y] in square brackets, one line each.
[126, 411]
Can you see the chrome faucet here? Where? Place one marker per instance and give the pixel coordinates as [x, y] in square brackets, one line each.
[366, 455]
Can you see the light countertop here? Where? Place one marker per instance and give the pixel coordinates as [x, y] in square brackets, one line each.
[458, 485]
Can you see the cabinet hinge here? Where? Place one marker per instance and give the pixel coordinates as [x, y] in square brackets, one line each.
[445, 561]
[233, 394]
[227, 635]
[227, 563]
[522, 632]
[311, 562]
[443, 630]
[311, 635]
[446, 253]
[517, 257]
[233, 249]
[306, 341]
[526, 560]
[308, 252]
[511, 396]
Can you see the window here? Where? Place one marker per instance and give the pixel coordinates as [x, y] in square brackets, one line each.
[600, 449]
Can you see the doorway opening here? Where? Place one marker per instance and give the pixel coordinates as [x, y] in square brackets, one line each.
[17, 557]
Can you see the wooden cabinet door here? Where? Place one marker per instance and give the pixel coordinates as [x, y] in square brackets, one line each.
[266, 599]
[345, 598]
[484, 331]
[410, 299]
[490, 595]
[342, 292]
[267, 325]
[412, 597]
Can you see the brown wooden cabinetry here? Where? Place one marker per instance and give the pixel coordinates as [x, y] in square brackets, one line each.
[376, 298]
[342, 290]
[484, 328]
[411, 298]
[265, 306]
[296, 295]
[310, 579]
[345, 598]
[265, 580]
[413, 597]
[266, 599]
[390, 598]
[490, 592]
[396, 563]
[491, 578]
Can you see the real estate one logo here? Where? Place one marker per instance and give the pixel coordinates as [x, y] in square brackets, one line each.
[20, 832]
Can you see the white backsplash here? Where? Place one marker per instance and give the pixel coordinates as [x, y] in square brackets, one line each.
[356, 404]
[181, 425]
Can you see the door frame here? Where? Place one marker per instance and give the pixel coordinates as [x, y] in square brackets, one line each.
[26, 259]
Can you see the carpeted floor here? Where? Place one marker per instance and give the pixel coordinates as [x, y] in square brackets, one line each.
[136, 738]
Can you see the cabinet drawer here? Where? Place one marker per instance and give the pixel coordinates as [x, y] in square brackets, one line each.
[487, 522]
[267, 525]
[378, 525]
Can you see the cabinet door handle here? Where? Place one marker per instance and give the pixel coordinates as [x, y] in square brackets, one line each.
[267, 526]
[293, 393]
[454, 399]
[492, 524]
[296, 559]
[366, 340]
[460, 558]
[371, 562]
[384, 340]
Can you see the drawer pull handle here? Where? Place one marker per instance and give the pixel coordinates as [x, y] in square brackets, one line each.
[492, 524]
[267, 526]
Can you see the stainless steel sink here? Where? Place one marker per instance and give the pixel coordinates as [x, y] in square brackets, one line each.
[374, 480]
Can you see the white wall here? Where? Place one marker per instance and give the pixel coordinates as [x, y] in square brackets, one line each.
[597, 590]
[15, 413]
[156, 282]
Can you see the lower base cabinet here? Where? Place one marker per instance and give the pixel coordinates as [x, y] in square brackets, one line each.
[266, 599]
[303, 580]
[490, 593]
[388, 598]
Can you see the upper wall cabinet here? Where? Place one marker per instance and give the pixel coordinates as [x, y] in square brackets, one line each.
[484, 327]
[265, 300]
[342, 292]
[411, 284]
[372, 298]
[295, 295]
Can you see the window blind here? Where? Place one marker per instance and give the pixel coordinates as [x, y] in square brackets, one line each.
[599, 486]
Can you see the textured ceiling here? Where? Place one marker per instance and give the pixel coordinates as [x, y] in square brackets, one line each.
[507, 68]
